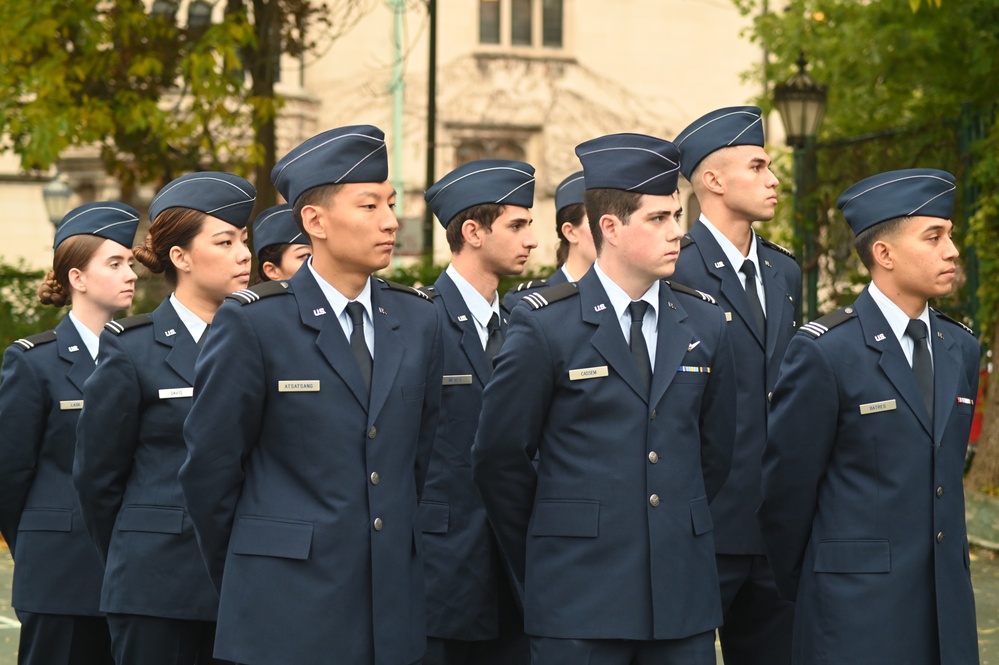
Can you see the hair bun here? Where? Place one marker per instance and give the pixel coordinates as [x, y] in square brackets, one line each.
[50, 291]
[145, 255]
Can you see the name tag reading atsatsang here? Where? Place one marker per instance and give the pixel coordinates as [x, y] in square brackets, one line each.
[298, 386]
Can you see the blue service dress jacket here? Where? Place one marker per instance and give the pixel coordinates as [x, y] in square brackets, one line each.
[130, 445]
[304, 491]
[56, 568]
[464, 569]
[705, 266]
[611, 536]
[863, 504]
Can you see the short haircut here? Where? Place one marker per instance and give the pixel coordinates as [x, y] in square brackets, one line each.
[484, 213]
[864, 243]
[316, 196]
[617, 202]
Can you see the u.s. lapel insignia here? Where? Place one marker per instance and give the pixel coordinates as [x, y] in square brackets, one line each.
[74, 349]
[319, 311]
[505, 322]
[170, 333]
[381, 310]
[599, 308]
[767, 263]
[462, 318]
[719, 264]
[880, 337]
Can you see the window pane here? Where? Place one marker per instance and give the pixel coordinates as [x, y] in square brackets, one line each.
[551, 23]
[520, 25]
[508, 150]
[489, 21]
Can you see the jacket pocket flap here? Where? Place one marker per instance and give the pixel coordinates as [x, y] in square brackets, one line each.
[700, 516]
[262, 536]
[154, 519]
[434, 516]
[853, 556]
[578, 519]
[46, 519]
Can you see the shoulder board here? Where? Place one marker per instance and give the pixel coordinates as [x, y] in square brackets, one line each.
[532, 284]
[429, 291]
[28, 343]
[824, 324]
[258, 291]
[680, 288]
[121, 325]
[686, 240]
[395, 286]
[946, 318]
[773, 245]
[545, 297]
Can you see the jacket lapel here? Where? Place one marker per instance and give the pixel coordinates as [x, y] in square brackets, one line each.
[171, 332]
[775, 292]
[461, 320]
[672, 342]
[879, 336]
[389, 349]
[81, 364]
[946, 374]
[608, 338]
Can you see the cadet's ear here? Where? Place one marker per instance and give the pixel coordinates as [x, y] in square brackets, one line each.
[609, 226]
[313, 221]
[472, 232]
[883, 254]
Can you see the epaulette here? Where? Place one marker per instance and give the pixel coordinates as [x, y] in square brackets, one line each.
[258, 291]
[429, 291]
[545, 297]
[773, 245]
[686, 240]
[946, 318]
[531, 284]
[824, 324]
[395, 286]
[680, 288]
[28, 343]
[121, 325]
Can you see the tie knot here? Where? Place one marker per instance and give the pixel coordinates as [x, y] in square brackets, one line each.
[637, 309]
[493, 324]
[355, 311]
[916, 329]
[748, 269]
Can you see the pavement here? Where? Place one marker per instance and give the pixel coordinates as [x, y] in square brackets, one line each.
[984, 576]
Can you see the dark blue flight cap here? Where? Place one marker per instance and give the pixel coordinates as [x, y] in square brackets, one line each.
[276, 226]
[905, 193]
[631, 162]
[338, 156]
[107, 219]
[223, 195]
[481, 181]
[570, 191]
[730, 126]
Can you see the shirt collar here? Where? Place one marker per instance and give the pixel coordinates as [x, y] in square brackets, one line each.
[191, 321]
[620, 300]
[338, 302]
[567, 275]
[90, 340]
[731, 252]
[479, 307]
[897, 319]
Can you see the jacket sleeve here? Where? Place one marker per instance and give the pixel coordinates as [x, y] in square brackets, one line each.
[717, 419]
[106, 438]
[429, 420]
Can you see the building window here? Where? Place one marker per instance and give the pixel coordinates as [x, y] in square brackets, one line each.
[521, 23]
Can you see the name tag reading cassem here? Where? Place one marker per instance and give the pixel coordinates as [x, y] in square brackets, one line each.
[174, 393]
[456, 380]
[587, 373]
[877, 407]
[298, 386]
[70, 404]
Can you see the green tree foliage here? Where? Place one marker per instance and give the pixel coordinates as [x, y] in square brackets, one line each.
[21, 313]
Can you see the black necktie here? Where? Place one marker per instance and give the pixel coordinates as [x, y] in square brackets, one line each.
[495, 340]
[357, 344]
[639, 349]
[922, 365]
[204, 336]
[753, 296]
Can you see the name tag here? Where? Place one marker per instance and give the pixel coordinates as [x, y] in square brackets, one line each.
[71, 404]
[298, 386]
[174, 393]
[456, 380]
[587, 373]
[877, 407]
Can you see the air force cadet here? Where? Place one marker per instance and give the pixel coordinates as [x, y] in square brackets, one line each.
[57, 573]
[472, 616]
[316, 409]
[624, 389]
[863, 504]
[758, 287]
[281, 247]
[160, 603]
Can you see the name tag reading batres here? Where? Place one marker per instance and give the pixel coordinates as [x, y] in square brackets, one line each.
[298, 386]
[587, 373]
[877, 407]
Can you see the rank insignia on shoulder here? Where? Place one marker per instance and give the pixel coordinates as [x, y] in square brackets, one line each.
[545, 297]
[773, 245]
[259, 291]
[531, 284]
[680, 288]
[954, 321]
[428, 295]
[28, 343]
[824, 324]
[430, 291]
[128, 323]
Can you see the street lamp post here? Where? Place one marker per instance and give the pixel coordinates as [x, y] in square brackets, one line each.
[801, 102]
[56, 195]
